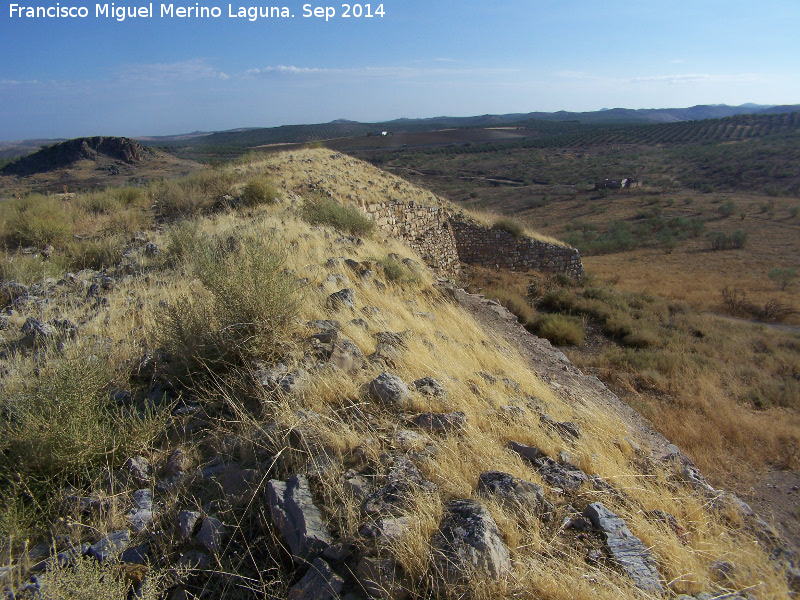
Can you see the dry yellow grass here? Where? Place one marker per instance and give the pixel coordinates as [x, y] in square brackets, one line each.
[446, 343]
[461, 458]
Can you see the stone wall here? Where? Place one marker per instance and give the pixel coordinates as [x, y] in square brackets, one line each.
[444, 240]
[426, 229]
[495, 248]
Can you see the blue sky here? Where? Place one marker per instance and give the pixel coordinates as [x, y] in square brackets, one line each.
[66, 77]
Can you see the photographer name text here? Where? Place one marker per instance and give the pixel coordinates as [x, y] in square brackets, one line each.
[197, 11]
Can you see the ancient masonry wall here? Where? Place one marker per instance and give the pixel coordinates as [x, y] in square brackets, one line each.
[495, 248]
[444, 240]
[426, 229]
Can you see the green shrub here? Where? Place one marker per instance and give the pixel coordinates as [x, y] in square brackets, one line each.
[326, 211]
[128, 196]
[726, 241]
[173, 200]
[99, 203]
[516, 304]
[641, 339]
[245, 310]
[398, 272]
[561, 330]
[258, 191]
[89, 579]
[36, 221]
[65, 425]
[182, 239]
[511, 226]
[727, 209]
[559, 300]
[782, 276]
[29, 269]
[618, 325]
[96, 253]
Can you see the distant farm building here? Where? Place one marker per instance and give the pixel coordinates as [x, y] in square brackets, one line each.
[617, 184]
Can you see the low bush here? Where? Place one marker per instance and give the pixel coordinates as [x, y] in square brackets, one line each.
[325, 211]
[559, 300]
[99, 203]
[64, 424]
[782, 276]
[395, 270]
[727, 241]
[172, 200]
[36, 221]
[727, 209]
[516, 304]
[511, 226]
[561, 330]
[97, 253]
[258, 191]
[245, 309]
[619, 325]
[641, 339]
[89, 579]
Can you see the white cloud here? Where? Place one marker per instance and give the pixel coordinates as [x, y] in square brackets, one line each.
[374, 72]
[188, 70]
[695, 78]
[679, 78]
[14, 82]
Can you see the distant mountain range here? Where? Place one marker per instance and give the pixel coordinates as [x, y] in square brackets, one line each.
[342, 128]
[288, 134]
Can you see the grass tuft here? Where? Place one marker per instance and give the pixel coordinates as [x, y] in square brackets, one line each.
[325, 211]
[561, 330]
[244, 308]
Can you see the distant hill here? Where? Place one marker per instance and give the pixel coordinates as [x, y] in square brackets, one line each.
[233, 142]
[90, 163]
[64, 154]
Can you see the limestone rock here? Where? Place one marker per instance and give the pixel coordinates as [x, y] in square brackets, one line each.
[390, 338]
[469, 543]
[566, 477]
[345, 298]
[212, 534]
[187, 523]
[402, 480]
[142, 513]
[568, 430]
[297, 518]
[406, 439]
[628, 551]
[381, 579]
[139, 469]
[430, 387]
[512, 412]
[346, 356]
[387, 531]
[441, 422]
[178, 462]
[390, 390]
[514, 492]
[36, 332]
[114, 543]
[194, 559]
[358, 485]
[529, 452]
[325, 325]
[319, 583]
[385, 355]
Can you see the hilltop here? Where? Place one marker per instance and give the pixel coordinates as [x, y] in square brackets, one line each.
[247, 383]
[86, 163]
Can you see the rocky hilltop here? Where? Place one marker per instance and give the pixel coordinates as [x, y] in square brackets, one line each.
[278, 398]
[64, 154]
